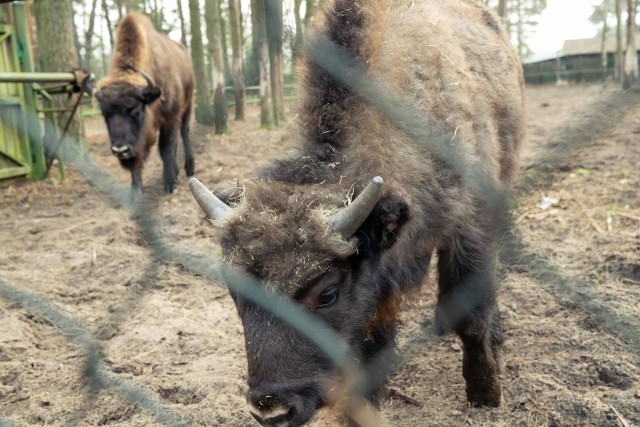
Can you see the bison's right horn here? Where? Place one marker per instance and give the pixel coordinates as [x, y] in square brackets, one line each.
[214, 208]
[147, 77]
[349, 219]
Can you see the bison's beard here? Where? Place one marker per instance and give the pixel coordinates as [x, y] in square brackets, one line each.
[128, 163]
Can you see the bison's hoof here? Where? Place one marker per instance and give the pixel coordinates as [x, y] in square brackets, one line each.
[189, 167]
[487, 398]
[171, 189]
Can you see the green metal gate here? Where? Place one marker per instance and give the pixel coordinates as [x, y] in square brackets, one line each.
[15, 152]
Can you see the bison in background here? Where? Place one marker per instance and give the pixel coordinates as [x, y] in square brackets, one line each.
[317, 229]
[149, 88]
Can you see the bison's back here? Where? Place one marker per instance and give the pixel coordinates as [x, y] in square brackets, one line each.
[451, 61]
[171, 66]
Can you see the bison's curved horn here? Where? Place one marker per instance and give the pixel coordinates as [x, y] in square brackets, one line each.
[147, 77]
[214, 208]
[349, 219]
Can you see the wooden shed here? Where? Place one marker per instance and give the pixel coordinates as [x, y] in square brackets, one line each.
[579, 60]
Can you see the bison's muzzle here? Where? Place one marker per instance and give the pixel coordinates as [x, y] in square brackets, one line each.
[269, 410]
[282, 408]
[122, 152]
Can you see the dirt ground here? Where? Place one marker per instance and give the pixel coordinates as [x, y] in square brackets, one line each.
[178, 336]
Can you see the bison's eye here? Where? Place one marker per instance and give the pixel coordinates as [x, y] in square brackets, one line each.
[328, 297]
[132, 112]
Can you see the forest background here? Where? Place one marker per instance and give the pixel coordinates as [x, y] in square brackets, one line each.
[250, 46]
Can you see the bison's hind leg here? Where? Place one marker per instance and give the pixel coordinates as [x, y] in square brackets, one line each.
[189, 164]
[168, 145]
[467, 305]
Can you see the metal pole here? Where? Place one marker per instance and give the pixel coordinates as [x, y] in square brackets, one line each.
[30, 77]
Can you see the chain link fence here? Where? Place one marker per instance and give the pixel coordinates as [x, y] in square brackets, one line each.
[514, 253]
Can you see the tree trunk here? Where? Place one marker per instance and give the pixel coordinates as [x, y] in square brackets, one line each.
[120, 6]
[107, 20]
[235, 22]
[273, 13]
[619, 57]
[134, 5]
[603, 46]
[88, 36]
[183, 26]
[631, 56]
[311, 8]
[156, 14]
[214, 30]
[204, 115]
[297, 45]
[520, 29]
[56, 53]
[76, 40]
[252, 69]
[261, 47]
[502, 9]
[223, 34]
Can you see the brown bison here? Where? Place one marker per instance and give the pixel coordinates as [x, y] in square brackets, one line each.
[149, 88]
[315, 227]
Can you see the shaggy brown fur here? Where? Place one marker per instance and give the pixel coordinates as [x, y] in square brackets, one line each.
[451, 61]
[134, 113]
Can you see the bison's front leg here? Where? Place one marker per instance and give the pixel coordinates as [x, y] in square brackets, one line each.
[466, 305]
[480, 365]
[168, 145]
[189, 165]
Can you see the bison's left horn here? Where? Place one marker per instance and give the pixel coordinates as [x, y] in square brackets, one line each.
[214, 208]
[349, 219]
[147, 77]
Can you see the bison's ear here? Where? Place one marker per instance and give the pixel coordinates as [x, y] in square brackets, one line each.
[381, 229]
[230, 192]
[150, 94]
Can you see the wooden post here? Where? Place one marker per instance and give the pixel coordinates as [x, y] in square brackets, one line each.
[23, 38]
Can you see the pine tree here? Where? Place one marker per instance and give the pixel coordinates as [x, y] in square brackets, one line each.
[212, 16]
[235, 23]
[631, 55]
[261, 50]
[204, 113]
[273, 14]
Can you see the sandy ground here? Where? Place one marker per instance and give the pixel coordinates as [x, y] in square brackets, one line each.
[178, 338]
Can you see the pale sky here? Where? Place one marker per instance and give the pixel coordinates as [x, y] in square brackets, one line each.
[562, 20]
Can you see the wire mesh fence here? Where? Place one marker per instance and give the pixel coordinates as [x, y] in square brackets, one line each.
[514, 254]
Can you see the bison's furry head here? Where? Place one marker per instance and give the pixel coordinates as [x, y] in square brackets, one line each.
[285, 235]
[127, 90]
[123, 104]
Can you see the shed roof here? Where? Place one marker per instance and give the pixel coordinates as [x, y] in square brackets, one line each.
[591, 46]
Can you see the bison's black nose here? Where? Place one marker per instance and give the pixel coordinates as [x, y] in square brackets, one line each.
[270, 409]
[122, 151]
